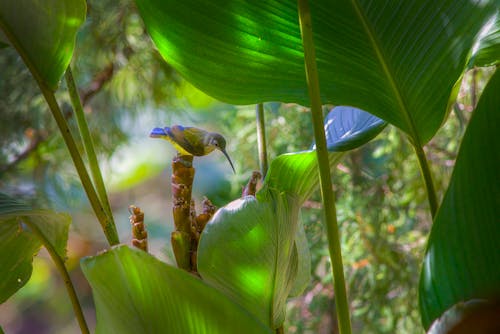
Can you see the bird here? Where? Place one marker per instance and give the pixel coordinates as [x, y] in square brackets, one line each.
[189, 140]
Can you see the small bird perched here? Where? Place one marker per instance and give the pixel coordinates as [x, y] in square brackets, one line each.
[192, 141]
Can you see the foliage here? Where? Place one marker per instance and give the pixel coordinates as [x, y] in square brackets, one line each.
[382, 215]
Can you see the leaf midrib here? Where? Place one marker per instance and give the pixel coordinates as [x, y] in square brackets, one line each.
[388, 73]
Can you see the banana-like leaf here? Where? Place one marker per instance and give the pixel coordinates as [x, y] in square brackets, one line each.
[462, 261]
[136, 293]
[19, 244]
[399, 60]
[43, 33]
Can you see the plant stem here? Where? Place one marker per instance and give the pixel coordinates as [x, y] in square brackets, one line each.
[342, 306]
[261, 139]
[77, 309]
[108, 226]
[427, 175]
[88, 144]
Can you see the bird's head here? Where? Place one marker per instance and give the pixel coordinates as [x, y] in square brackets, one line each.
[216, 141]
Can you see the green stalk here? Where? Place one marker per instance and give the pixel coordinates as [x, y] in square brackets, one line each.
[77, 309]
[261, 139]
[342, 306]
[88, 144]
[108, 226]
[427, 175]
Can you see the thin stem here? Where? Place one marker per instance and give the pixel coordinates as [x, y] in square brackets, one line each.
[261, 139]
[77, 309]
[108, 226]
[341, 303]
[427, 175]
[88, 144]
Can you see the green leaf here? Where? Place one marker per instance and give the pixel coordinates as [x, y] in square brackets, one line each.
[248, 252]
[379, 56]
[488, 48]
[462, 260]
[43, 33]
[19, 244]
[136, 293]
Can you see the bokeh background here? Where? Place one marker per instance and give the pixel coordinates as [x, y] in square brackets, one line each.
[127, 89]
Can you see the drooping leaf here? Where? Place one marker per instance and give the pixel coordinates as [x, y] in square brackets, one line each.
[347, 128]
[378, 56]
[136, 293]
[462, 261]
[19, 244]
[43, 33]
[488, 48]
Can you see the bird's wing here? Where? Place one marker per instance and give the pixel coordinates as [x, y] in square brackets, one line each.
[196, 138]
[184, 139]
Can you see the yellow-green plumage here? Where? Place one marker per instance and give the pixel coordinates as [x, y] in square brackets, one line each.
[192, 141]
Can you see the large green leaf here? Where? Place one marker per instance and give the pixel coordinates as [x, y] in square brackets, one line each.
[462, 261]
[398, 60]
[43, 32]
[18, 242]
[136, 293]
[248, 252]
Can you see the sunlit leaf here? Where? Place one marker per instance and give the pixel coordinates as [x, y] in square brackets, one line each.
[462, 261]
[43, 33]
[247, 251]
[136, 293]
[19, 244]
[397, 60]
[488, 48]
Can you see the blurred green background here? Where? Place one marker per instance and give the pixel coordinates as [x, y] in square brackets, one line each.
[127, 89]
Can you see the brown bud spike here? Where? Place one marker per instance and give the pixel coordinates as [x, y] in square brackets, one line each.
[251, 187]
[139, 233]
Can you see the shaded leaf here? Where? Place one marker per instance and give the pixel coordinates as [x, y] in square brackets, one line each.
[136, 293]
[347, 128]
[43, 33]
[378, 56]
[18, 243]
[462, 260]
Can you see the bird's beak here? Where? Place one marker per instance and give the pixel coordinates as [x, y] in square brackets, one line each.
[229, 159]
[158, 133]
